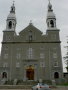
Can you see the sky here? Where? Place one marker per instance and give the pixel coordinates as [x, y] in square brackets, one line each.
[36, 10]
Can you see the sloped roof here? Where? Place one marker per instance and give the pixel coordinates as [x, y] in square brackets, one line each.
[30, 27]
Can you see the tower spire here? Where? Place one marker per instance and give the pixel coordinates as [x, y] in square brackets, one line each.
[49, 1]
[13, 2]
[12, 8]
[50, 6]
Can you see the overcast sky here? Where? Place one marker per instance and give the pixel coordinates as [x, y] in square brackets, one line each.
[36, 10]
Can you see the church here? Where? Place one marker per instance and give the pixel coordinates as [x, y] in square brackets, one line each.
[31, 55]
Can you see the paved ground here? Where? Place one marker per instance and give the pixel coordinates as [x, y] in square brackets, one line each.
[15, 89]
[58, 88]
[61, 88]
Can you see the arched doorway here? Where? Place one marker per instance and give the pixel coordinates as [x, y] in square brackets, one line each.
[4, 75]
[56, 75]
[30, 73]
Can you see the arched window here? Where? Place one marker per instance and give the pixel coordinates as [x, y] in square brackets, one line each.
[12, 9]
[4, 75]
[56, 75]
[10, 25]
[52, 23]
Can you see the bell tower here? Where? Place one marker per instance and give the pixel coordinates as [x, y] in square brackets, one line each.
[9, 32]
[51, 19]
[11, 20]
[54, 45]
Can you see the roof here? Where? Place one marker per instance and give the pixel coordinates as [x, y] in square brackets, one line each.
[30, 27]
[11, 16]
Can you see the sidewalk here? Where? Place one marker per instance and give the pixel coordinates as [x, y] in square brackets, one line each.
[61, 88]
[57, 88]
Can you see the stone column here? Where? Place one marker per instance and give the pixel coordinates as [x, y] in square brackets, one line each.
[24, 79]
[35, 73]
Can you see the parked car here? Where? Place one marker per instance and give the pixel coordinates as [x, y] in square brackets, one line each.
[41, 86]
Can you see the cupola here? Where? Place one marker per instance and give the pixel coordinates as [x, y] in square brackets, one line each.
[51, 19]
[11, 19]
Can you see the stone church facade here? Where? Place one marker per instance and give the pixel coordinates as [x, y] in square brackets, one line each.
[31, 55]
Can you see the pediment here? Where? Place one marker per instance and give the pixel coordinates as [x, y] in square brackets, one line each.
[31, 28]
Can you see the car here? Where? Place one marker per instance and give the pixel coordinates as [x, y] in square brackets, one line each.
[41, 86]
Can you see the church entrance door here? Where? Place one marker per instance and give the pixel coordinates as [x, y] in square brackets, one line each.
[30, 73]
[56, 75]
[4, 75]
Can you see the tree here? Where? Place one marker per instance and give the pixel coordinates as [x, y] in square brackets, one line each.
[66, 58]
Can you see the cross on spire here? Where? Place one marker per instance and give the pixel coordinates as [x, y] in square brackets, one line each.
[49, 6]
[30, 21]
[12, 8]
[49, 1]
[13, 2]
